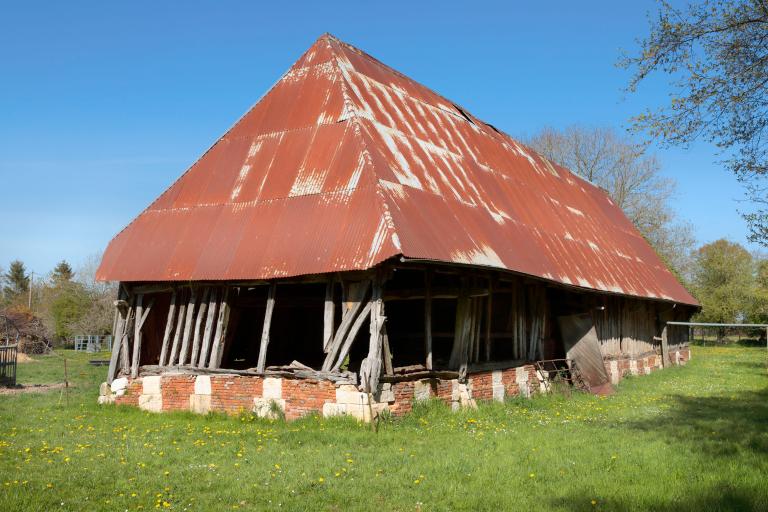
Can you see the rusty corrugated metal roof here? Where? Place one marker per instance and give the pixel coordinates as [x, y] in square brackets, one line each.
[345, 163]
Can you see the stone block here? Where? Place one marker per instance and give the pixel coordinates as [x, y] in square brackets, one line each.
[266, 407]
[119, 384]
[614, 372]
[348, 394]
[151, 402]
[203, 385]
[151, 385]
[422, 390]
[272, 388]
[497, 386]
[200, 404]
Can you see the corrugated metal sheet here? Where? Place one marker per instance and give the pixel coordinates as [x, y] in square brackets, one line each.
[345, 163]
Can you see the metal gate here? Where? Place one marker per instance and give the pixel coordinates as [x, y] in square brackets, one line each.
[8, 365]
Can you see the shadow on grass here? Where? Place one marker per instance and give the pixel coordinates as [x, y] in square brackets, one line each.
[718, 425]
[723, 497]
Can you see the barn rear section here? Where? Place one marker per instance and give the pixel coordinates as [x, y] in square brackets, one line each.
[356, 242]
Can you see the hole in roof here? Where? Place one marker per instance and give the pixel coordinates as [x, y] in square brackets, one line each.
[464, 114]
[493, 128]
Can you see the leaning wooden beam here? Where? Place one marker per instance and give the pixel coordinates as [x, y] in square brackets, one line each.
[193, 298]
[141, 317]
[328, 316]
[265, 328]
[341, 331]
[428, 317]
[221, 331]
[370, 368]
[122, 310]
[198, 326]
[351, 337]
[177, 333]
[125, 357]
[388, 369]
[168, 329]
[209, 322]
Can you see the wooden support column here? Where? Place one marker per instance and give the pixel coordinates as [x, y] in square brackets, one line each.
[351, 337]
[193, 296]
[328, 317]
[174, 353]
[168, 329]
[196, 338]
[217, 350]
[137, 336]
[141, 317]
[488, 315]
[125, 355]
[370, 369]
[460, 351]
[427, 317]
[665, 361]
[265, 329]
[346, 324]
[209, 328]
[121, 307]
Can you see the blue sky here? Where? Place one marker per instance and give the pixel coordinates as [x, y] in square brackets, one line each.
[104, 104]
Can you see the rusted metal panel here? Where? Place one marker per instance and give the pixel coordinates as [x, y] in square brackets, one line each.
[583, 348]
[345, 162]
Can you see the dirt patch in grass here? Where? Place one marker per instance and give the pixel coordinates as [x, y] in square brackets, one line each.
[22, 358]
[33, 388]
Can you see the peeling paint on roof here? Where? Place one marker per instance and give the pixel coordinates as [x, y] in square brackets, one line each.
[345, 163]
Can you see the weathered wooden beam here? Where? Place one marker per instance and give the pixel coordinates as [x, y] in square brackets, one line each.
[141, 317]
[328, 317]
[370, 368]
[209, 324]
[428, 317]
[388, 369]
[177, 333]
[118, 340]
[193, 300]
[265, 328]
[221, 331]
[168, 329]
[346, 324]
[351, 337]
[125, 355]
[488, 317]
[436, 293]
[198, 326]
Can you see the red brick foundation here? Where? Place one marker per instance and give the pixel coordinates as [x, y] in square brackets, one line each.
[295, 398]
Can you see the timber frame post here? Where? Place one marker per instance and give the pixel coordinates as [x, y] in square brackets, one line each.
[265, 328]
[121, 307]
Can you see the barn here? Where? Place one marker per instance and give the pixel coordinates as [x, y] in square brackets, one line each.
[357, 242]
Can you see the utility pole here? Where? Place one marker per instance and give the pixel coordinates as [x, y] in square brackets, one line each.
[31, 282]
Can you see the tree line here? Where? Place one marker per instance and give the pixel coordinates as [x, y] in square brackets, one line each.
[66, 302]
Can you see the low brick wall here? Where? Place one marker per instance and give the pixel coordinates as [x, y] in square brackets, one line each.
[294, 398]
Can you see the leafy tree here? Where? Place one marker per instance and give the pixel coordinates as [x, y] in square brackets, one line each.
[715, 54]
[723, 281]
[68, 305]
[17, 279]
[631, 177]
[62, 273]
[759, 311]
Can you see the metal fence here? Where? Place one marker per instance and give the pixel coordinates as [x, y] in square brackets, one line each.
[8, 364]
[93, 343]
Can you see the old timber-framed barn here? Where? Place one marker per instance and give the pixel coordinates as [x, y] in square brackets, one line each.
[356, 242]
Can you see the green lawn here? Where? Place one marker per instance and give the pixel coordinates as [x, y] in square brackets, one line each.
[693, 438]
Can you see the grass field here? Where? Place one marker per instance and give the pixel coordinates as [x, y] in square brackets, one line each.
[692, 438]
